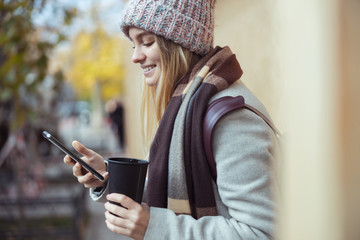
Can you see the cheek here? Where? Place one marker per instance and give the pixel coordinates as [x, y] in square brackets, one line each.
[155, 54]
[154, 81]
[158, 66]
[157, 60]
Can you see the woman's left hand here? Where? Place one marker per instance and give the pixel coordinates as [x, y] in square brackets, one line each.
[133, 217]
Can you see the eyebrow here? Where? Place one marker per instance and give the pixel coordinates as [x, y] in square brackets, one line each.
[140, 35]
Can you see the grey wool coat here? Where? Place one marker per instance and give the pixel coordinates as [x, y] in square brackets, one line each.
[246, 150]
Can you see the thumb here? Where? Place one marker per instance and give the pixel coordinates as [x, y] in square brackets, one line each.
[82, 149]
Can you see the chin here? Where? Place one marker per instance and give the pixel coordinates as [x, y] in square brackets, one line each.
[150, 83]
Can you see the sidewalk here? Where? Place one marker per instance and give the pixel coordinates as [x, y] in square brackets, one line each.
[96, 228]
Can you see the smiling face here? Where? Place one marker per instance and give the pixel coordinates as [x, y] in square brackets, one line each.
[147, 54]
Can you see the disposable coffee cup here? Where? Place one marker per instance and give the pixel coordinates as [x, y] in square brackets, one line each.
[127, 176]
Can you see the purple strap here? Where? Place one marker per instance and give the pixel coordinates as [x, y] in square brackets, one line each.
[215, 111]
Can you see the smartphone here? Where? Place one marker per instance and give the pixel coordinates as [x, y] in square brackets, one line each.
[58, 144]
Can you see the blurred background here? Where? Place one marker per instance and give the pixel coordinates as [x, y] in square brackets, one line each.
[66, 68]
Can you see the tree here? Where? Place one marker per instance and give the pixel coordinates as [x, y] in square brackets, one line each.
[94, 66]
[24, 55]
[95, 60]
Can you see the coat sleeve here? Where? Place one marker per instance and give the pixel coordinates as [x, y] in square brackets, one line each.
[244, 151]
[99, 194]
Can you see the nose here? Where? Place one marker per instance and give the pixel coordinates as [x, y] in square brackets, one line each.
[138, 56]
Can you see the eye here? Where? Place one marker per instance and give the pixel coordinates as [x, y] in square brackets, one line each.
[132, 45]
[148, 44]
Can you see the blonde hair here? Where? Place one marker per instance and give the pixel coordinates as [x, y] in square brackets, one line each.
[175, 63]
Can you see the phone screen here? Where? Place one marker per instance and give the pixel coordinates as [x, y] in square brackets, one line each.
[58, 144]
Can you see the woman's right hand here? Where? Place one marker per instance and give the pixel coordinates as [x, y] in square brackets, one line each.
[94, 160]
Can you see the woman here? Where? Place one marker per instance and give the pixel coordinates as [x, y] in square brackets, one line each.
[173, 44]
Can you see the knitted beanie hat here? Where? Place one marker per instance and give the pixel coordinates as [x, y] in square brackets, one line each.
[189, 23]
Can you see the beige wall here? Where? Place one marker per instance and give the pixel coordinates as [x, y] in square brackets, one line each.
[349, 112]
[249, 27]
[320, 56]
[309, 57]
[132, 107]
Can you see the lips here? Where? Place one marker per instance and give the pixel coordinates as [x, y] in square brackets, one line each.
[149, 68]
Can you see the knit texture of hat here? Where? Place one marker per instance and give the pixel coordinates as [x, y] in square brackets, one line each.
[189, 23]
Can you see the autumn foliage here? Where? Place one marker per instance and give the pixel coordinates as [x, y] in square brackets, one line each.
[94, 59]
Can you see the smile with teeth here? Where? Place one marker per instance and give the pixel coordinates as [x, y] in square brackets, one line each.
[147, 69]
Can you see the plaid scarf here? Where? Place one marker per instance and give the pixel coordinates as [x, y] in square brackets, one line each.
[179, 175]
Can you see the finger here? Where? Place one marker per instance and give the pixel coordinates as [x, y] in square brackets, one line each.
[116, 220]
[116, 209]
[68, 160]
[106, 176]
[78, 170]
[82, 149]
[117, 229]
[87, 178]
[124, 200]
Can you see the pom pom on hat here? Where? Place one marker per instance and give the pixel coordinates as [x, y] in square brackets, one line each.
[189, 23]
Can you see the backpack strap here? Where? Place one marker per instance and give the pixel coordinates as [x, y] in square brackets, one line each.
[214, 112]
